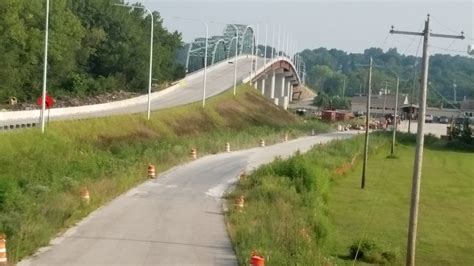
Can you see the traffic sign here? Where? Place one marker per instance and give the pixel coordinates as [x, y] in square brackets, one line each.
[49, 101]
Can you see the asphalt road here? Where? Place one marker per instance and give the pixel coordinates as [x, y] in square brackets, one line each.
[176, 219]
[190, 90]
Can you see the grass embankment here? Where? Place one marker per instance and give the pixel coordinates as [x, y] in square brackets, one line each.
[380, 212]
[286, 212]
[41, 175]
[306, 211]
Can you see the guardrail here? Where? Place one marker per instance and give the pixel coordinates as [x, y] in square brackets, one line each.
[28, 119]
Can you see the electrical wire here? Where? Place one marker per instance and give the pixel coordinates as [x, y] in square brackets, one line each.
[385, 40]
[370, 214]
[413, 40]
[448, 50]
[444, 26]
[415, 72]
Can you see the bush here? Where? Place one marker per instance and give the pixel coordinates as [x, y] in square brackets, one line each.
[370, 252]
[367, 248]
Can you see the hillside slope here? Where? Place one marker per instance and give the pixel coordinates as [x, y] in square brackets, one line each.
[42, 175]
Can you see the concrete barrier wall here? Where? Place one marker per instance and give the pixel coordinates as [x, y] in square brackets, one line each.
[19, 119]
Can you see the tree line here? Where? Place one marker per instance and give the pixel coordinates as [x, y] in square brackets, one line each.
[94, 46]
[328, 70]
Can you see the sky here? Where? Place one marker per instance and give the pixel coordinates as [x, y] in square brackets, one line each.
[350, 25]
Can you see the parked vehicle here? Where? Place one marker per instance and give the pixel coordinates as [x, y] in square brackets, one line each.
[443, 120]
[428, 118]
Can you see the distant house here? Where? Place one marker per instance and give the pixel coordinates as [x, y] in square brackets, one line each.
[380, 104]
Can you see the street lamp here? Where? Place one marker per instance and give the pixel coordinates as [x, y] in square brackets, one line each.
[45, 68]
[151, 54]
[266, 44]
[204, 85]
[236, 53]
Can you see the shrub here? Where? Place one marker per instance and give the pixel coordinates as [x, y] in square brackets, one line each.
[366, 249]
[370, 252]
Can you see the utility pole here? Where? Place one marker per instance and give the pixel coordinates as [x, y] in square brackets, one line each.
[395, 118]
[384, 98]
[454, 91]
[366, 147]
[343, 88]
[415, 193]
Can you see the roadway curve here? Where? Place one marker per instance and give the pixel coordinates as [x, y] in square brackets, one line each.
[220, 77]
[176, 219]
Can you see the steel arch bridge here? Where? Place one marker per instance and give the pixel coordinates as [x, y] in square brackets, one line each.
[221, 47]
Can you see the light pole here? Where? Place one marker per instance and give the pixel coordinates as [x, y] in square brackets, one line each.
[395, 118]
[204, 85]
[279, 36]
[256, 50]
[254, 53]
[45, 68]
[205, 67]
[151, 54]
[273, 42]
[266, 44]
[236, 54]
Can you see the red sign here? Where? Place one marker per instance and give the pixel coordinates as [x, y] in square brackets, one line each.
[49, 101]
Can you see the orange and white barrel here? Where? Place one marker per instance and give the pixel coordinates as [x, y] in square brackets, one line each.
[256, 260]
[239, 202]
[85, 197]
[194, 154]
[3, 250]
[151, 171]
[285, 137]
[262, 143]
[227, 147]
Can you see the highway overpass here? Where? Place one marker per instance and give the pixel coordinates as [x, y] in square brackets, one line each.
[276, 80]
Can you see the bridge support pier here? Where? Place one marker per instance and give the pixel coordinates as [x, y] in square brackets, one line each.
[272, 92]
[283, 85]
[262, 85]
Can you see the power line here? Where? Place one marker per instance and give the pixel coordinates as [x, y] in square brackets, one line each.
[449, 50]
[413, 40]
[370, 212]
[416, 180]
[444, 26]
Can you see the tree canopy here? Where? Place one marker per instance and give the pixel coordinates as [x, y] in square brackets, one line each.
[94, 46]
[327, 70]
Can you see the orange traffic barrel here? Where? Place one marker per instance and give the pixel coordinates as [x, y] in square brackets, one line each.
[151, 171]
[3, 250]
[239, 202]
[285, 137]
[262, 143]
[85, 195]
[256, 260]
[227, 147]
[194, 153]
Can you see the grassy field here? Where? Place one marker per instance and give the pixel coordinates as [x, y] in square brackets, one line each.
[286, 212]
[41, 175]
[380, 211]
[309, 210]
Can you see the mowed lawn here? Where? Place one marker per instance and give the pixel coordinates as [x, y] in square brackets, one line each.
[380, 211]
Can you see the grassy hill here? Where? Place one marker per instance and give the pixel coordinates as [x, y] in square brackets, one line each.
[42, 175]
[310, 210]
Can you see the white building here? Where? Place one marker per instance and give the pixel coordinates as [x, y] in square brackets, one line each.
[379, 104]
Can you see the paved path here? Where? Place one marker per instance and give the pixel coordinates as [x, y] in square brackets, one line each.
[176, 219]
[220, 77]
[433, 128]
